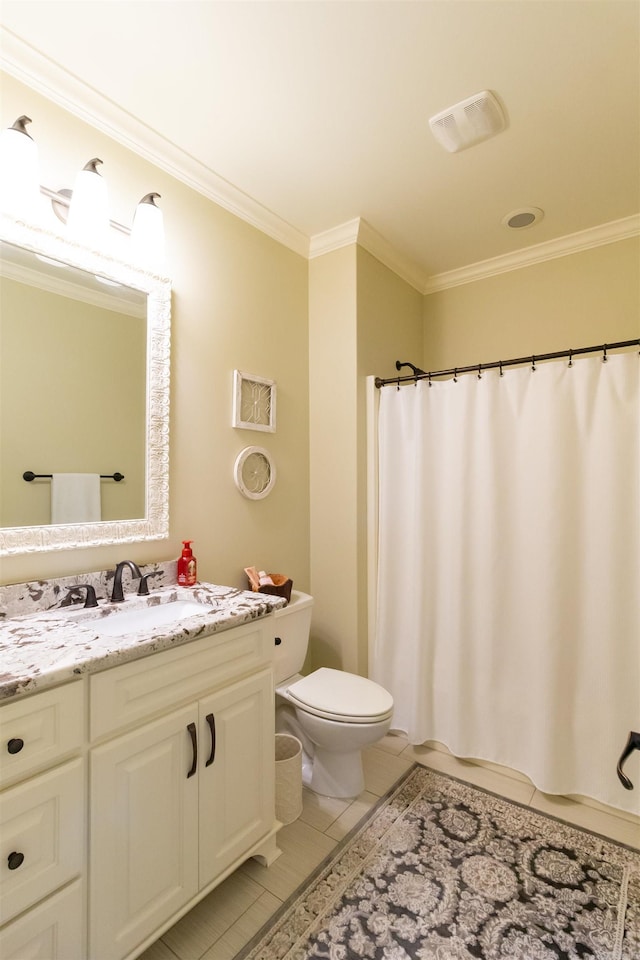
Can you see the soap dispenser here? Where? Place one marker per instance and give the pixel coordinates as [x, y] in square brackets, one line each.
[186, 566]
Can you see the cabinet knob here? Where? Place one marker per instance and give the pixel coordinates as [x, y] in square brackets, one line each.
[15, 745]
[14, 860]
[277, 641]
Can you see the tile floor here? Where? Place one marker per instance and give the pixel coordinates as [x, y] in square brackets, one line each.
[219, 926]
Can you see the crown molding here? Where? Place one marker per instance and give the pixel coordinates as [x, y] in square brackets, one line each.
[377, 246]
[550, 250]
[360, 232]
[335, 238]
[30, 67]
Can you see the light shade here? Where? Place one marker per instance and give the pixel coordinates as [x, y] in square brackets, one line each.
[147, 233]
[88, 221]
[19, 171]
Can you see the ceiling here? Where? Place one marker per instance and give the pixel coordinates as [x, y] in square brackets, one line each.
[304, 116]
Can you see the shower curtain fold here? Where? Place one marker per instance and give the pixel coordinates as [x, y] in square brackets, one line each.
[508, 612]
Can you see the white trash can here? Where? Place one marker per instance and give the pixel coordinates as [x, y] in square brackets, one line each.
[288, 778]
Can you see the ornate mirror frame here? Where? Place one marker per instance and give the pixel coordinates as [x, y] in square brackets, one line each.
[155, 524]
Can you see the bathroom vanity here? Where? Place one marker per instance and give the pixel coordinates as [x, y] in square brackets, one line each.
[136, 768]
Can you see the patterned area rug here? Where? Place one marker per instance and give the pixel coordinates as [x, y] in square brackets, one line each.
[441, 870]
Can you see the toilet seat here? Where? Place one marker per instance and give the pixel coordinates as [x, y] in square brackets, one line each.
[343, 697]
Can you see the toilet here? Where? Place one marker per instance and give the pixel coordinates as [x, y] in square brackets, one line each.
[334, 714]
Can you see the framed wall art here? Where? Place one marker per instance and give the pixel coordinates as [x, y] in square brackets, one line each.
[254, 473]
[254, 402]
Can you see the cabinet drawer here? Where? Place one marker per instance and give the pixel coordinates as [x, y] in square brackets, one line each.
[138, 691]
[54, 930]
[37, 731]
[42, 836]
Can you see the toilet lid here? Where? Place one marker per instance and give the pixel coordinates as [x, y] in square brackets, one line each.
[342, 696]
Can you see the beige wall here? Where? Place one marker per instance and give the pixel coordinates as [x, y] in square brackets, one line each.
[361, 318]
[239, 301]
[578, 300]
[72, 400]
[333, 457]
[389, 319]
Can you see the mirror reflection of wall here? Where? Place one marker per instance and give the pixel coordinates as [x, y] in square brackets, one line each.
[73, 371]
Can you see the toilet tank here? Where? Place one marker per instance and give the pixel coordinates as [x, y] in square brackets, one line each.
[291, 628]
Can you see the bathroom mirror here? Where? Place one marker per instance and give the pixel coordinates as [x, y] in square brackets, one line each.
[97, 343]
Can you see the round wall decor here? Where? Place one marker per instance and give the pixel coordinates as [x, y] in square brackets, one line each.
[254, 472]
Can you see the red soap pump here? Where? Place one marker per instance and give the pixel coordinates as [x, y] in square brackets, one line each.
[186, 566]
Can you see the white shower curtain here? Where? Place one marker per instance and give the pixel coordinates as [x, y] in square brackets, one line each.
[508, 614]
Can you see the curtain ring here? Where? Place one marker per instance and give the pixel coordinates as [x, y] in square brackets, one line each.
[533, 364]
[604, 353]
[479, 371]
[501, 370]
[570, 358]
[430, 384]
[398, 385]
[455, 374]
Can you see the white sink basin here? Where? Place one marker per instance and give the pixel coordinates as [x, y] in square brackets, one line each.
[120, 623]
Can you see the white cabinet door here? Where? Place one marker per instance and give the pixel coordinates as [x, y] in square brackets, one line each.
[54, 930]
[237, 776]
[144, 832]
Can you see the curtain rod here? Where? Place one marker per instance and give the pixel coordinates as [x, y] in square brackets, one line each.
[479, 367]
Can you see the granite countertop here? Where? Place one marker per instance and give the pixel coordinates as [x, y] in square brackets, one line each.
[49, 647]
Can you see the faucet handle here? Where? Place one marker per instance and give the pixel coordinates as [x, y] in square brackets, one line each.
[143, 589]
[90, 600]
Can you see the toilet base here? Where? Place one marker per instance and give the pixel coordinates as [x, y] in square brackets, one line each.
[334, 774]
[325, 772]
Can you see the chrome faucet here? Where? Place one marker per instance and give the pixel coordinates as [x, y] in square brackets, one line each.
[117, 595]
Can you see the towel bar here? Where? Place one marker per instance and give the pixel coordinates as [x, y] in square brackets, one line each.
[29, 475]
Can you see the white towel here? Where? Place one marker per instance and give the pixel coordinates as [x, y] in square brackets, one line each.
[75, 498]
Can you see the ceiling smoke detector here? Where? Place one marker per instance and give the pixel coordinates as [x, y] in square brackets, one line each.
[472, 120]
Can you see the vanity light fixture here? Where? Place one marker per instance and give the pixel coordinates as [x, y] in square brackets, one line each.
[19, 171]
[147, 232]
[88, 219]
[84, 209]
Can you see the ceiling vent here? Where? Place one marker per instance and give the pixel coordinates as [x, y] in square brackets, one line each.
[468, 122]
